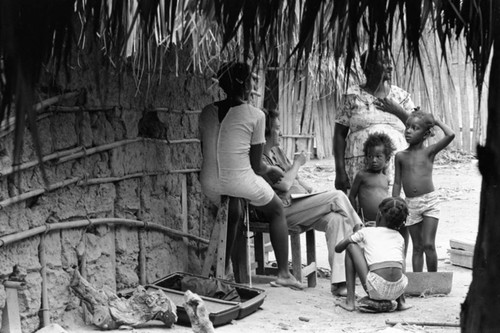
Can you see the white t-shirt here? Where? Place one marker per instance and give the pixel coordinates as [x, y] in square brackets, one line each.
[380, 244]
[243, 126]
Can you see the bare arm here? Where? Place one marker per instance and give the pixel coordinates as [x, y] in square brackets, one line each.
[291, 174]
[449, 135]
[396, 188]
[339, 144]
[353, 194]
[390, 106]
[305, 185]
[271, 173]
[342, 245]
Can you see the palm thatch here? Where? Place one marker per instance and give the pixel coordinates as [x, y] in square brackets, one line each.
[43, 34]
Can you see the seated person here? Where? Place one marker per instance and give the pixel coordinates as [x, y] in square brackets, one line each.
[371, 185]
[380, 263]
[328, 211]
[240, 170]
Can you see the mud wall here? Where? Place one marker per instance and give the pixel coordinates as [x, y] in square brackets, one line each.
[107, 171]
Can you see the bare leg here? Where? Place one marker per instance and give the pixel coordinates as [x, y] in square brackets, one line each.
[429, 229]
[417, 258]
[403, 231]
[355, 262]
[278, 231]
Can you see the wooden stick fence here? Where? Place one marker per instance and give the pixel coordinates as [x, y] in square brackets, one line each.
[81, 181]
[74, 153]
[12, 238]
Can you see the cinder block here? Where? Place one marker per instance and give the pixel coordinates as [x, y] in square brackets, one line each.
[461, 258]
[429, 283]
[465, 245]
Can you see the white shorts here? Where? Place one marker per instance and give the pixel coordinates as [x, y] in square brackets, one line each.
[381, 289]
[422, 205]
[247, 185]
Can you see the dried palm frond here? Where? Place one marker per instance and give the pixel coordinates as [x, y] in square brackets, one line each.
[34, 33]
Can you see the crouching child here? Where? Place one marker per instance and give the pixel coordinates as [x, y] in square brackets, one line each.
[377, 256]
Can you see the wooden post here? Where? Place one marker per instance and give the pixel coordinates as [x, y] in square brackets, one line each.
[296, 256]
[142, 239]
[11, 320]
[43, 272]
[184, 204]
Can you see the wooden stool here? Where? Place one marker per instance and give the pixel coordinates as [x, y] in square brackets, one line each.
[259, 228]
[217, 246]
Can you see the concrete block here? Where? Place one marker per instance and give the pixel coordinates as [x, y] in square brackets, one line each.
[465, 245]
[429, 283]
[461, 258]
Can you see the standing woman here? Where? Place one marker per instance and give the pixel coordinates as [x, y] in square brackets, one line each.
[376, 106]
[239, 157]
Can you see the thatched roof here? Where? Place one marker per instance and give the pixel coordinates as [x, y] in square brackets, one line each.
[43, 34]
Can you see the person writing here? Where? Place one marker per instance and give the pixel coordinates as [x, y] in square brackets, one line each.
[376, 106]
[240, 169]
[328, 211]
[414, 173]
[371, 185]
[380, 263]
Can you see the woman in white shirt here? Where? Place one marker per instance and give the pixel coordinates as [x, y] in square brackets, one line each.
[239, 147]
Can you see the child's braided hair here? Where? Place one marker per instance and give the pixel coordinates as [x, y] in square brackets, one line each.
[395, 212]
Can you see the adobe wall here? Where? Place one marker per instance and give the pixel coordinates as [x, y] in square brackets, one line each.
[128, 181]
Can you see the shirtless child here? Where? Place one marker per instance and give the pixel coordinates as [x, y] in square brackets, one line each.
[414, 171]
[371, 186]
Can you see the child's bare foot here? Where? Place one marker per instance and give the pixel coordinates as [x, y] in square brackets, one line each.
[403, 306]
[348, 305]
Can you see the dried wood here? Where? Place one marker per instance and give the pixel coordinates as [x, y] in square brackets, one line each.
[197, 313]
[43, 273]
[184, 205]
[421, 323]
[71, 109]
[110, 311]
[464, 102]
[12, 238]
[37, 192]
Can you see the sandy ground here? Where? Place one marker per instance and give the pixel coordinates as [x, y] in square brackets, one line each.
[313, 310]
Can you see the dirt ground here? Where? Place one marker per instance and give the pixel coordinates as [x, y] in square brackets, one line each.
[313, 310]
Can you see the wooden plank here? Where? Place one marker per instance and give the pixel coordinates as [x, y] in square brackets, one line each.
[310, 270]
[296, 256]
[456, 106]
[464, 101]
[184, 205]
[218, 235]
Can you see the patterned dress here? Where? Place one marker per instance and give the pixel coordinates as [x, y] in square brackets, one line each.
[362, 117]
